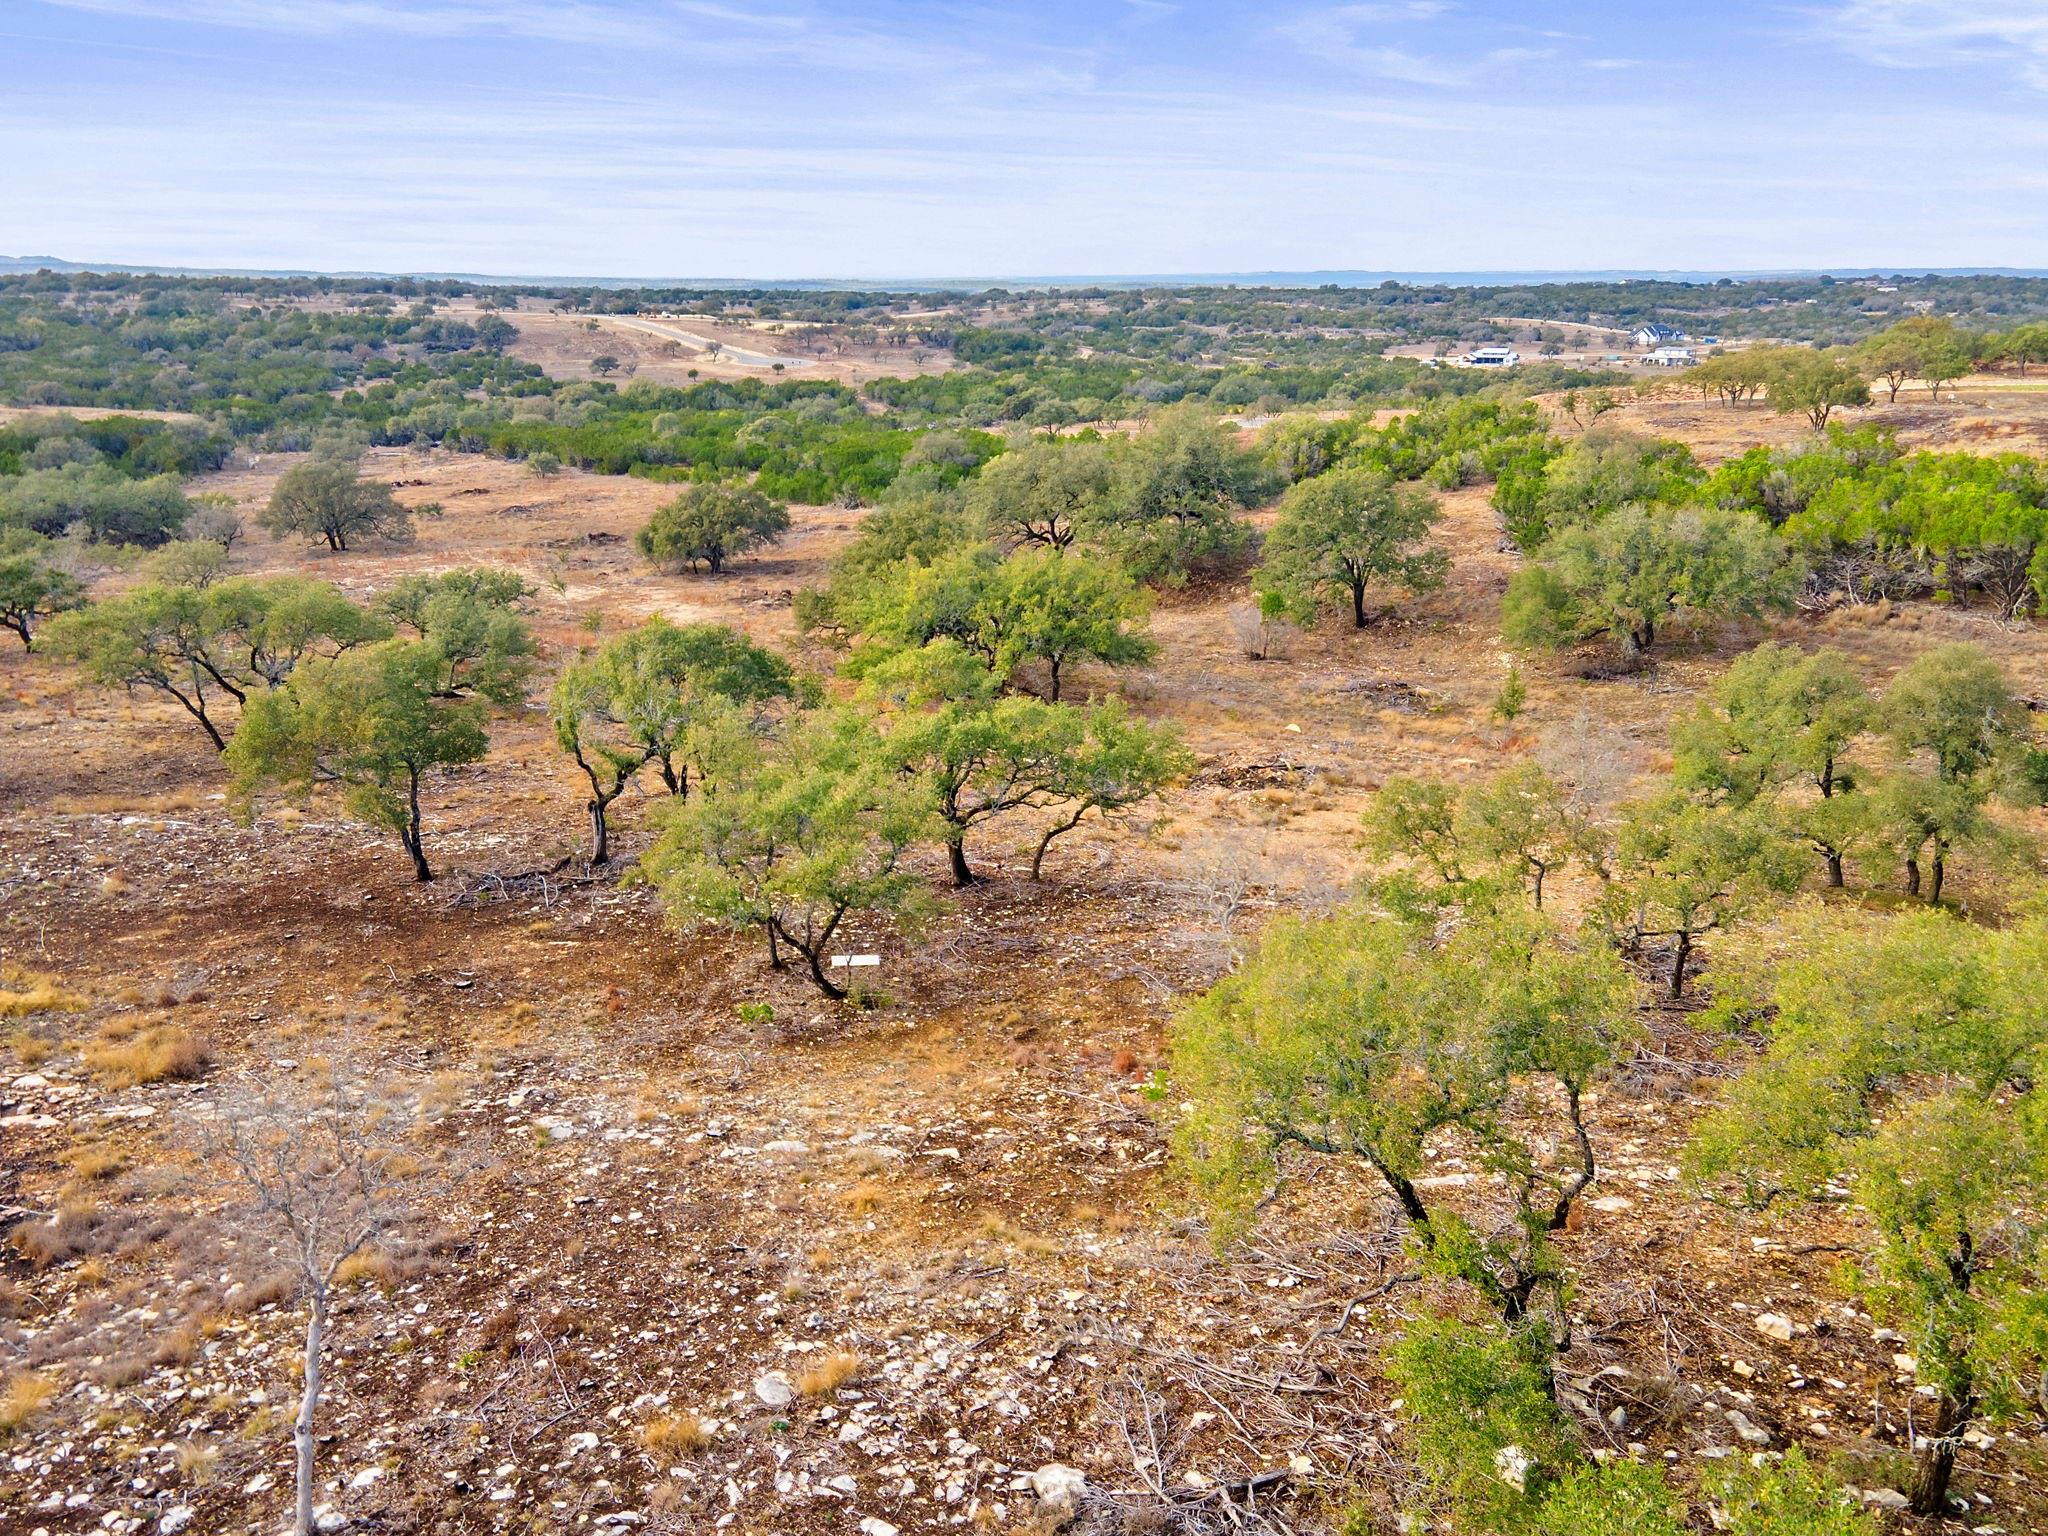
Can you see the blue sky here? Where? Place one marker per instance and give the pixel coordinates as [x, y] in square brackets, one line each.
[800, 139]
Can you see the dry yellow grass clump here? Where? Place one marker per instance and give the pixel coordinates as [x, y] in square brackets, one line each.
[127, 1056]
[24, 1396]
[674, 1434]
[90, 1161]
[372, 1266]
[25, 992]
[829, 1374]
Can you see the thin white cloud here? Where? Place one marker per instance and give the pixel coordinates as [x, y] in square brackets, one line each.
[1356, 36]
[1924, 34]
[553, 20]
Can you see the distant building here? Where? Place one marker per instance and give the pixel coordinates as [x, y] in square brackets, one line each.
[1670, 357]
[1491, 357]
[1656, 334]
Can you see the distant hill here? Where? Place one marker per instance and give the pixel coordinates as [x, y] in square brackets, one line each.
[1337, 278]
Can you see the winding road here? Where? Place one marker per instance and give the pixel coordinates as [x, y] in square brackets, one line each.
[741, 355]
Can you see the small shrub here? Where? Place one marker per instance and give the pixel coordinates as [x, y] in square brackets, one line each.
[372, 1266]
[1260, 629]
[92, 1162]
[1621, 1498]
[177, 1347]
[1486, 1435]
[1786, 1498]
[74, 1230]
[1512, 699]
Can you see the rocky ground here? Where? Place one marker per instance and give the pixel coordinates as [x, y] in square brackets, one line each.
[908, 1267]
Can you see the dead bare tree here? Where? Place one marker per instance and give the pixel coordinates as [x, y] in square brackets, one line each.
[324, 1175]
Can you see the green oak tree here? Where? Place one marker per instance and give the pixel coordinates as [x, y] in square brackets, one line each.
[657, 695]
[1641, 572]
[374, 720]
[1116, 763]
[1051, 608]
[1906, 1061]
[1340, 532]
[33, 586]
[1047, 491]
[1780, 720]
[472, 618]
[1954, 720]
[710, 523]
[1174, 497]
[1363, 1039]
[1681, 869]
[326, 499]
[817, 832]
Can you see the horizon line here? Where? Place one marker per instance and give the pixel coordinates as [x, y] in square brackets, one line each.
[1317, 277]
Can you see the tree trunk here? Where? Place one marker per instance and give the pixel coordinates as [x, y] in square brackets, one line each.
[309, 1403]
[1055, 697]
[1939, 871]
[1358, 605]
[1834, 861]
[1045, 842]
[414, 842]
[198, 712]
[1680, 954]
[1539, 886]
[20, 627]
[1636, 642]
[1937, 1459]
[1912, 877]
[600, 834]
[774, 949]
[956, 860]
[826, 984]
